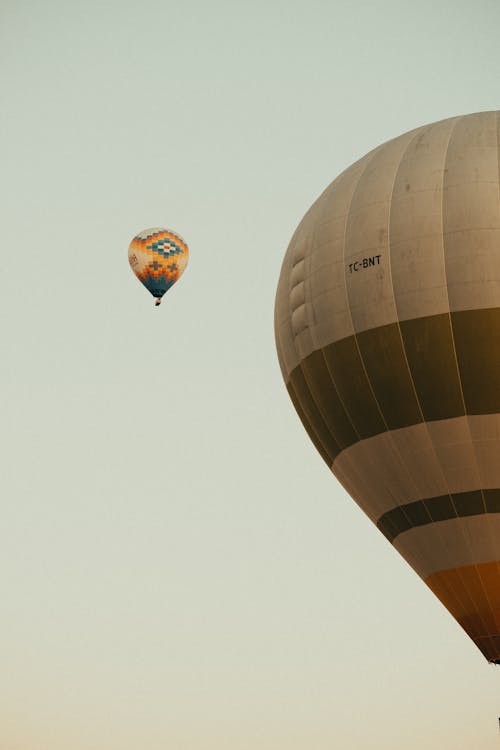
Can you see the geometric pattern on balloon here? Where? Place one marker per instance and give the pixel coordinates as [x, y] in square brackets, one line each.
[158, 257]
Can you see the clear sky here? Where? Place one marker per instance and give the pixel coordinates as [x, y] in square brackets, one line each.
[178, 568]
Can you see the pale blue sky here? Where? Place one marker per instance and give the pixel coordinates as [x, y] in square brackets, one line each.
[178, 567]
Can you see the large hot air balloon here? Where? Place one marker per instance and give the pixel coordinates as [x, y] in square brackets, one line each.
[388, 333]
[158, 258]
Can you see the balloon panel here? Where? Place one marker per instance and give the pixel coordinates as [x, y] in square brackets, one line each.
[387, 325]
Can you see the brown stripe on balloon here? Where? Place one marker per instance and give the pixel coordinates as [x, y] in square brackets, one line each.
[326, 398]
[316, 427]
[346, 367]
[429, 349]
[387, 370]
[477, 342]
[378, 390]
[441, 508]
[306, 424]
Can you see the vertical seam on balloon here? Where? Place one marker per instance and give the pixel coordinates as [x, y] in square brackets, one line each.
[316, 347]
[312, 334]
[315, 341]
[355, 336]
[464, 405]
[396, 172]
[492, 534]
[424, 422]
[354, 333]
[309, 424]
[488, 516]
[462, 525]
[339, 396]
[391, 437]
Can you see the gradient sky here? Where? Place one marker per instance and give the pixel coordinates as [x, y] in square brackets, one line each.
[178, 567]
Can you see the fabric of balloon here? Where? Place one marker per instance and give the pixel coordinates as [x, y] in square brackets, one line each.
[158, 258]
[387, 325]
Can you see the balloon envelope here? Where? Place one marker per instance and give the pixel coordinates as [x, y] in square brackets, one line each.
[387, 325]
[158, 258]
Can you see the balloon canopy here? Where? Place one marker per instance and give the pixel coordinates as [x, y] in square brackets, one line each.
[387, 325]
[158, 258]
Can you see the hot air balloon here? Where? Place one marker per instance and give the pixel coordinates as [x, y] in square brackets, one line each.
[387, 324]
[158, 258]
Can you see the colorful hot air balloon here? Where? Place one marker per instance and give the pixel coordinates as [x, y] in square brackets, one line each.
[158, 258]
[388, 334]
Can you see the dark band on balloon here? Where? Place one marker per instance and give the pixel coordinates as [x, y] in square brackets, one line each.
[398, 375]
[442, 508]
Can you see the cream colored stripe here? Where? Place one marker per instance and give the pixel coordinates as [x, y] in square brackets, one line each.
[392, 468]
[451, 544]
[422, 461]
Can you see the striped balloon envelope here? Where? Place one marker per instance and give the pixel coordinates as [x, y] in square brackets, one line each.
[158, 258]
[387, 325]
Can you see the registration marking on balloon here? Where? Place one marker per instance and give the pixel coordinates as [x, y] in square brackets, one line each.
[359, 265]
